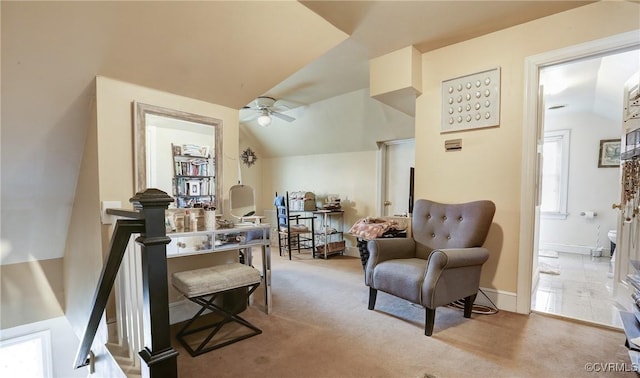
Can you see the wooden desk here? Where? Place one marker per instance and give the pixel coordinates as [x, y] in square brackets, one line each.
[228, 239]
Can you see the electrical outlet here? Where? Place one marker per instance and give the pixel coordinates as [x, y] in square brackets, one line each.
[104, 205]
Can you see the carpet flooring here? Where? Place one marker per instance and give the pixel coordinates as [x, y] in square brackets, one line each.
[320, 327]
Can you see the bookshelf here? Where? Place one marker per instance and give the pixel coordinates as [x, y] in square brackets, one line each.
[193, 176]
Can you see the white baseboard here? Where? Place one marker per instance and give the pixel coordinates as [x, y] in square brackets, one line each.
[504, 300]
[569, 248]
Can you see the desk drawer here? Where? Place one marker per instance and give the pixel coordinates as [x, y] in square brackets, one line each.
[188, 245]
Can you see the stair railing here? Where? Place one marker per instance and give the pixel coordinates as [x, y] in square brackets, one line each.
[159, 357]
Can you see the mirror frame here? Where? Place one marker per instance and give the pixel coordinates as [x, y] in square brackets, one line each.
[140, 112]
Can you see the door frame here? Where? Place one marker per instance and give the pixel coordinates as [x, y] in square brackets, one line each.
[382, 170]
[531, 129]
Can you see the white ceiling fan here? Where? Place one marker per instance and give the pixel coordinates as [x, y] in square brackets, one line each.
[264, 107]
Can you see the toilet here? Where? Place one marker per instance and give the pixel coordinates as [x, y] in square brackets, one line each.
[612, 238]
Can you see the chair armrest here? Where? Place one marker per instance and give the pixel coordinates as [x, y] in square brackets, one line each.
[455, 287]
[387, 249]
[455, 258]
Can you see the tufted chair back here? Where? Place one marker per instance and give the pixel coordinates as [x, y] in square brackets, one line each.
[439, 226]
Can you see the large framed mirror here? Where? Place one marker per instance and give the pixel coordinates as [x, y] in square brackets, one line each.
[179, 153]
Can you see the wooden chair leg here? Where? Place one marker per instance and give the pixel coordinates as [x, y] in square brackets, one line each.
[430, 316]
[468, 305]
[373, 293]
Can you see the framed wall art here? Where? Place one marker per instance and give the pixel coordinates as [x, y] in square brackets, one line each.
[471, 101]
[248, 157]
[609, 155]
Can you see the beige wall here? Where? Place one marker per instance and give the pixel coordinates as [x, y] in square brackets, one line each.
[107, 174]
[395, 71]
[352, 176]
[30, 292]
[490, 163]
[252, 176]
[116, 166]
[114, 129]
[83, 249]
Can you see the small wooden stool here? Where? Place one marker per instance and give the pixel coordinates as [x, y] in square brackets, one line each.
[203, 286]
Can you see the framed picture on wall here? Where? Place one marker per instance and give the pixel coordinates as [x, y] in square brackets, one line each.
[194, 188]
[609, 156]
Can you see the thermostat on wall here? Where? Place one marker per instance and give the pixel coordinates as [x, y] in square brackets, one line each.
[453, 145]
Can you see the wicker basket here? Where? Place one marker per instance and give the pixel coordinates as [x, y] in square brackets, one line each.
[332, 247]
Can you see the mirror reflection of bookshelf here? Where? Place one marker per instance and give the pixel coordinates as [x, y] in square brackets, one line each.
[194, 187]
[193, 180]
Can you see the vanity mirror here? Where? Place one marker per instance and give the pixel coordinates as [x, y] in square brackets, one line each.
[179, 153]
[241, 201]
[242, 204]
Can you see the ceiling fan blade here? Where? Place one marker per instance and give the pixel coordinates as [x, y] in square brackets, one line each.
[282, 116]
[282, 105]
[247, 114]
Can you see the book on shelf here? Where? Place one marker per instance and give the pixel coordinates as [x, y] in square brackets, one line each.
[192, 168]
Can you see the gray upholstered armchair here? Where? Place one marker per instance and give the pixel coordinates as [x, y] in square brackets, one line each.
[440, 264]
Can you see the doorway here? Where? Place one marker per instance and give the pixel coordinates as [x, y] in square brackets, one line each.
[397, 159]
[573, 264]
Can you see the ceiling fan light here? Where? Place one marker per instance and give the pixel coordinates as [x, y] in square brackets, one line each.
[264, 120]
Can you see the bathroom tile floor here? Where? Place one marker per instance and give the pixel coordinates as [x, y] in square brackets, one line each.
[577, 286]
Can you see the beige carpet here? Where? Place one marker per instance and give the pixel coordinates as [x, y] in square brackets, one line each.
[320, 327]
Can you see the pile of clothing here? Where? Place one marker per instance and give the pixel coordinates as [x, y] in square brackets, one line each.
[373, 228]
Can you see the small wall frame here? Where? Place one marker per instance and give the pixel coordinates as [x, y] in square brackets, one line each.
[471, 101]
[248, 157]
[609, 154]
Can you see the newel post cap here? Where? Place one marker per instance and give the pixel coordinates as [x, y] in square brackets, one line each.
[151, 198]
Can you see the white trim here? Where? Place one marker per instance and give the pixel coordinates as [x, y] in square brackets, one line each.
[529, 145]
[570, 248]
[550, 215]
[564, 136]
[504, 300]
[381, 156]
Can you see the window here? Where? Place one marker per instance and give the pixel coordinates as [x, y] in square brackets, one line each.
[26, 356]
[555, 174]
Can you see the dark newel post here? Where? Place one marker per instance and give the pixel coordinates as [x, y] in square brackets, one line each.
[160, 359]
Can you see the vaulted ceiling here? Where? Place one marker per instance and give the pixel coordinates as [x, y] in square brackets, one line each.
[375, 28]
[220, 52]
[223, 52]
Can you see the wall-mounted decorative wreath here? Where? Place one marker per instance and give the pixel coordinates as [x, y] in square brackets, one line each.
[248, 157]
